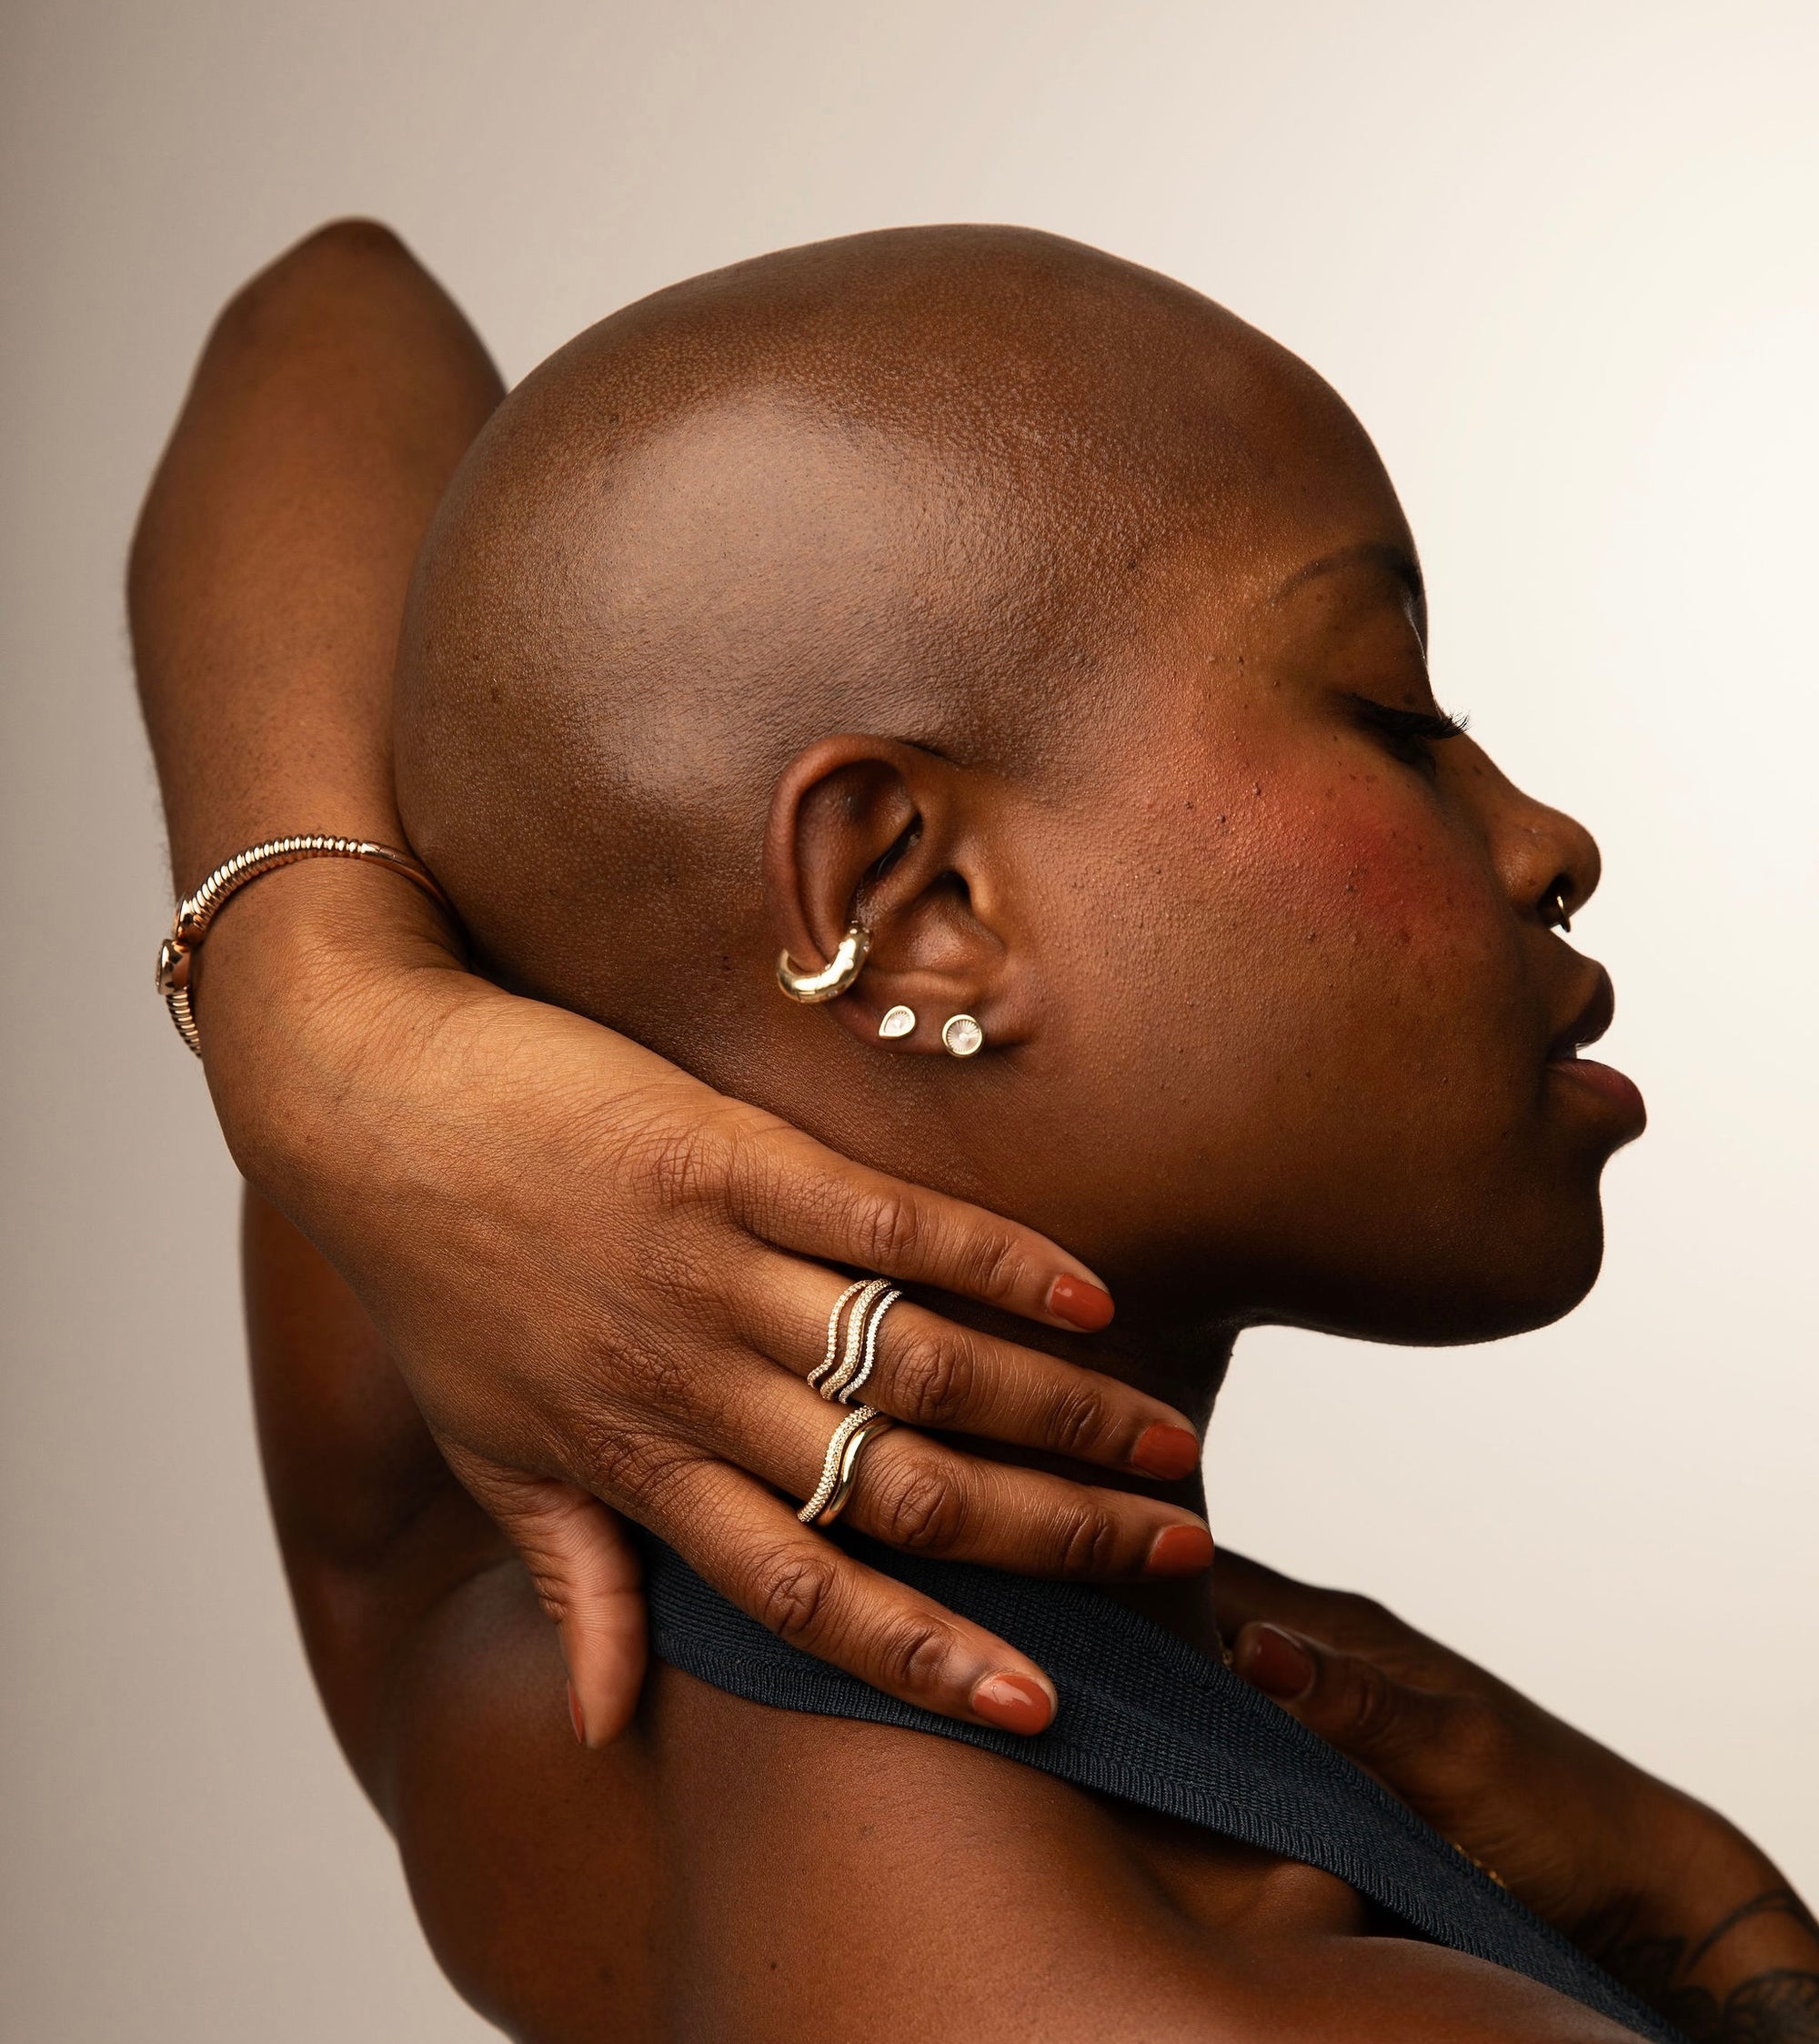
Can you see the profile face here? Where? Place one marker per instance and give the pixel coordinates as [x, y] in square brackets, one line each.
[1319, 943]
[1276, 1025]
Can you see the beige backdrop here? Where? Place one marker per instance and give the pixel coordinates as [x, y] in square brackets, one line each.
[1560, 257]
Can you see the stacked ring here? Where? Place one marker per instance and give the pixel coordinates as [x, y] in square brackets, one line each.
[870, 1299]
[840, 1467]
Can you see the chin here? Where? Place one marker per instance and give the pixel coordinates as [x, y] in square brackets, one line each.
[1504, 1275]
[1531, 1283]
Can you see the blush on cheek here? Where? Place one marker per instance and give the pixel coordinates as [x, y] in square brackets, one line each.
[1359, 861]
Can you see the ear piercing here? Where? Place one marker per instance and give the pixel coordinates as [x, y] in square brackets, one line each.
[961, 1035]
[835, 977]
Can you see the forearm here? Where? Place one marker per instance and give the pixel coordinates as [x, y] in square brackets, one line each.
[1717, 1940]
[335, 398]
[337, 395]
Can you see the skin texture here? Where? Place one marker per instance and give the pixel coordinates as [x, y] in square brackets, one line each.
[1023, 603]
[559, 1233]
[579, 1895]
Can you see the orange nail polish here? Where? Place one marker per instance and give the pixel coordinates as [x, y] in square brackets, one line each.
[1169, 1452]
[1013, 1703]
[575, 1718]
[1080, 1305]
[1179, 1550]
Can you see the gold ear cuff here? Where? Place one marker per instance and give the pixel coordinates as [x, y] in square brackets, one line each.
[834, 978]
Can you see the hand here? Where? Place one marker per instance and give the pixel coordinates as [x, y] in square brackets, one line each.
[1553, 1813]
[597, 1277]
[1660, 1890]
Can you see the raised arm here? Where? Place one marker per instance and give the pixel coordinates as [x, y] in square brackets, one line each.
[589, 1266]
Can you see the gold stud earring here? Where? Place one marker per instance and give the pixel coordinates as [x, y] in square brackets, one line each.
[962, 1036]
[835, 977]
[898, 1022]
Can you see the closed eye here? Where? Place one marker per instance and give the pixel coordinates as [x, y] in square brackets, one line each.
[1406, 733]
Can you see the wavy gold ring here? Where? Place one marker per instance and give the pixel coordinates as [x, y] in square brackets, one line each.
[840, 1467]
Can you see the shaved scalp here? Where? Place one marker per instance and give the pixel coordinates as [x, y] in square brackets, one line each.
[911, 484]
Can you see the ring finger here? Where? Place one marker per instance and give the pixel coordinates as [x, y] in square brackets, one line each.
[934, 1372]
[924, 1497]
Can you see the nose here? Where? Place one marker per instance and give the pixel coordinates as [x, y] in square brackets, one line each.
[1547, 860]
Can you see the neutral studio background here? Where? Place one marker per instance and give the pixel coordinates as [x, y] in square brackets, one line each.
[1559, 257]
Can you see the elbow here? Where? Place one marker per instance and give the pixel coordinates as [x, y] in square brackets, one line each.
[340, 266]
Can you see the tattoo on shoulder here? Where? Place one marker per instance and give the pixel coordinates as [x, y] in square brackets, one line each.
[1779, 2006]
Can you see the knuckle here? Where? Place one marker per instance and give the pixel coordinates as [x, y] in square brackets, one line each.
[791, 1594]
[999, 1267]
[887, 1228]
[1373, 1703]
[913, 1654]
[918, 1509]
[1090, 1544]
[626, 1466]
[932, 1379]
[984, 1263]
[1363, 1616]
[679, 1166]
[652, 1380]
[1078, 1421]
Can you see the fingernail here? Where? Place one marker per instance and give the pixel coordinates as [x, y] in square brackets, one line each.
[1276, 1662]
[1179, 1550]
[1170, 1452]
[575, 1717]
[1013, 1703]
[1080, 1305]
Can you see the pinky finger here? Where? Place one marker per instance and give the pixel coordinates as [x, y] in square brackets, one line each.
[748, 1545]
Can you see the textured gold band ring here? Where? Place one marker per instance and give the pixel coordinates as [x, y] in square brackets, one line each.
[840, 1467]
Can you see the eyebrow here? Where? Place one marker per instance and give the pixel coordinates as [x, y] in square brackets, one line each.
[1371, 553]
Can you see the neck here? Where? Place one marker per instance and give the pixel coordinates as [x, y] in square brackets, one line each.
[1184, 1365]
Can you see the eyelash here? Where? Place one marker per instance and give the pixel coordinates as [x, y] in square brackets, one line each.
[1407, 733]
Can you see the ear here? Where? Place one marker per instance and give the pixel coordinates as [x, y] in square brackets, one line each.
[865, 830]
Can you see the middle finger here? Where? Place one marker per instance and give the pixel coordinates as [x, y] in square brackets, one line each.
[934, 1372]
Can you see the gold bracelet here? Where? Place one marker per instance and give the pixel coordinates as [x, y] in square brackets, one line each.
[195, 913]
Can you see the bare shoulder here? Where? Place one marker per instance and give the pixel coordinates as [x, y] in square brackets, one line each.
[847, 1880]
[745, 1874]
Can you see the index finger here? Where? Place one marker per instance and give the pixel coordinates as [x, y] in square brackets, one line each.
[795, 1192]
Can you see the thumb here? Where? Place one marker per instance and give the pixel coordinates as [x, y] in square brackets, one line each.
[587, 1578]
[1352, 1703]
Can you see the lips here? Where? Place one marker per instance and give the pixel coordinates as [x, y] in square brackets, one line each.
[1616, 1093]
[1594, 1016]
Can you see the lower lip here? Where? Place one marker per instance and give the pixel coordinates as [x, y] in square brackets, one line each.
[1616, 1089]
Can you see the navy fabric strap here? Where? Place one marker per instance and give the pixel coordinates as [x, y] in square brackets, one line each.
[1146, 1717]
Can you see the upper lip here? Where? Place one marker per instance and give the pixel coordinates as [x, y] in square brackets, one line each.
[1590, 1020]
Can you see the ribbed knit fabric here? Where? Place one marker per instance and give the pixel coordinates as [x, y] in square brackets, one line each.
[1146, 1717]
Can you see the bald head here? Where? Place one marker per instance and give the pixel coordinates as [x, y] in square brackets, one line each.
[1064, 630]
[914, 483]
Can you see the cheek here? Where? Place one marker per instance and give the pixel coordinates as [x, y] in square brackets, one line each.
[1372, 871]
[1353, 959]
